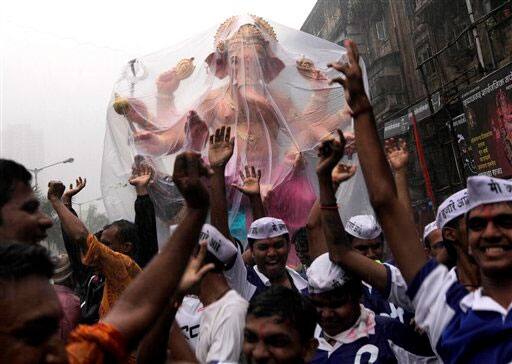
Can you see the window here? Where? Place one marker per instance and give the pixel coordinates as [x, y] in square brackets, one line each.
[381, 30]
[422, 54]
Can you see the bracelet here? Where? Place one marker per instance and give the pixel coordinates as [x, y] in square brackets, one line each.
[364, 110]
[329, 207]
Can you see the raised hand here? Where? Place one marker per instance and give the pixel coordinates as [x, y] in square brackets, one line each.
[329, 154]
[188, 170]
[195, 270]
[151, 143]
[80, 184]
[342, 172]
[196, 132]
[221, 147]
[352, 81]
[55, 190]
[141, 175]
[397, 153]
[250, 182]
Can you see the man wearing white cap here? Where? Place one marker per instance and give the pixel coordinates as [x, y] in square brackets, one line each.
[463, 326]
[434, 244]
[348, 331]
[473, 326]
[365, 235]
[384, 289]
[269, 243]
[450, 219]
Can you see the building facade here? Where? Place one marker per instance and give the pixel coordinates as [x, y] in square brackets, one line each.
[421, 56]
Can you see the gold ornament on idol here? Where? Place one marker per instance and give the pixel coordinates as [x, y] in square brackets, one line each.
[185, 68]
[120, 104]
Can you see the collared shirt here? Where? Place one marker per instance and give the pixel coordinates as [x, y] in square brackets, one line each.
[373, 339]
[393, 301]
[296, 279]
[463, 327]
[118, 269]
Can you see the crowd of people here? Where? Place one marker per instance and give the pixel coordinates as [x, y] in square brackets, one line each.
[115, 297]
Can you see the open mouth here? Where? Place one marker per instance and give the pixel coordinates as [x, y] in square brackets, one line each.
[495, 250]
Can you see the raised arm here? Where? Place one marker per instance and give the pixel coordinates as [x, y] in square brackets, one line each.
[316, 237]
[338, 244]
[251, 188]
[145, 298]
[145, 219]
[71, 224]
[153, 348]
[396, 222]
[220, 151]
[80, 271]
[398, 158]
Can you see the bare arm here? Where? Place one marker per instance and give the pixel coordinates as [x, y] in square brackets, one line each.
[316, 238]
[398, 158]
[251, 188]
[71, 224]
[144, 299]
[340, 250]
[402, 237]
[219, 153]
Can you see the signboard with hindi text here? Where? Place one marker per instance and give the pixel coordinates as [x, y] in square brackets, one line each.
[488, 111]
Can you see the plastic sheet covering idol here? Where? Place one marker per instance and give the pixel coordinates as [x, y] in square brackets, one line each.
[269, 83]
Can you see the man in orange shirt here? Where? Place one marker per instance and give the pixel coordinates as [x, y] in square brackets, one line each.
[29, 332]
[111, 255]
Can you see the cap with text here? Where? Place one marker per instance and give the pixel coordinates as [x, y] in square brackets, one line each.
[324, 276]
[267, 227]
[363, 227]
[453, 207]
[484, 190]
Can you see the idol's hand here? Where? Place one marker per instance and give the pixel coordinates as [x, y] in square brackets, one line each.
[196, 132]
[151, 143]
[352, 81]
[167, 82]
[221, 147]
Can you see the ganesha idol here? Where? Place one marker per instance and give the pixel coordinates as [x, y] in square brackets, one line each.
[276, 99]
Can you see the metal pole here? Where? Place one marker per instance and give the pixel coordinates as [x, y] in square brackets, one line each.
[475, 35]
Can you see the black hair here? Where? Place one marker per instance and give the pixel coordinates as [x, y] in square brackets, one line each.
[10, 173]
[301, 234]
[290, 306]
[127, 232]
[19, 260]
[252, 241]
[352, 290]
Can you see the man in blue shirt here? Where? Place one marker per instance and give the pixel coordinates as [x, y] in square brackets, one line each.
[349, 332]
[463, 327]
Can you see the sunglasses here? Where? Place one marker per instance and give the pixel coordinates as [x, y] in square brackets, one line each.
[502, 221]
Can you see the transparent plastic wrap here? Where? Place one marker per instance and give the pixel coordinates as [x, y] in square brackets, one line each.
[269, 83]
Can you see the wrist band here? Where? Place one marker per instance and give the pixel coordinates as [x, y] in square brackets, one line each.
[329, 207]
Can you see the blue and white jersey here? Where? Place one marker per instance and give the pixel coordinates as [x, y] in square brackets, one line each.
[463, 327]
[393, 302]
[374, 339]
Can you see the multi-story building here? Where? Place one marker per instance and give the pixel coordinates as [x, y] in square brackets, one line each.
[421, 56]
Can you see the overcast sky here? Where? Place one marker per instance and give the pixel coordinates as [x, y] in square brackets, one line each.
[59, 61]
